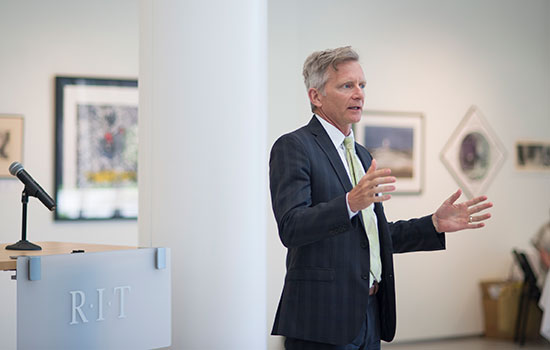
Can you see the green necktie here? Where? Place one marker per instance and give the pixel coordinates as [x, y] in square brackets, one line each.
[357, 172]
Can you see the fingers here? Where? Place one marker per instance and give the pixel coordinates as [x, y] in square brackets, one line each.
[360, 197]
[373, 174]
[479, 225]
[377, 192]
[478, 218]
[376, 187]
[372, 188]
[382, 198]
[383, 181]
[475, 201]
[378, 174]
[480, 207]
[454, 196]
[372, 167]
[370, 183]
[383, 189]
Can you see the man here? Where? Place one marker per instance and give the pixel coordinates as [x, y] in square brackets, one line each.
[339, 290]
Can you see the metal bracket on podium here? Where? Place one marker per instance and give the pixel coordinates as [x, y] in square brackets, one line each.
[35, 268]
[161, 258]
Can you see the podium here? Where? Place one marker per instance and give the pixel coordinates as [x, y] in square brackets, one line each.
[89, 296]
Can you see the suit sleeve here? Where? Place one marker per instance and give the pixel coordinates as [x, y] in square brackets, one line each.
[299, 219]
[416, 235]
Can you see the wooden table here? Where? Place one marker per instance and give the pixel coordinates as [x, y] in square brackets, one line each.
[8, 258]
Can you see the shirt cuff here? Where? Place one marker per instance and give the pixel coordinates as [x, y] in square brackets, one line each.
[350, 212]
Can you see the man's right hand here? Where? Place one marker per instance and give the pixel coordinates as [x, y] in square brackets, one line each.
[368, 190]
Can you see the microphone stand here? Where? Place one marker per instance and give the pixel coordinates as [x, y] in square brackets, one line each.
[23, 244]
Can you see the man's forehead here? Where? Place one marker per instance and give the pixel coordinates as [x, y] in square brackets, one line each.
[347, 69]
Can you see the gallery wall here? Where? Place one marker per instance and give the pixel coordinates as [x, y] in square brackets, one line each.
[438, 58]
[42, 39]
[428, 56]
[75, 38]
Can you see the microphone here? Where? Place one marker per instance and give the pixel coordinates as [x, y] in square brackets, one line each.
[31, 187]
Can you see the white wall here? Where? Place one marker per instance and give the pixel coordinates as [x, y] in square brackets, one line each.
[39, 40]
[438, 58]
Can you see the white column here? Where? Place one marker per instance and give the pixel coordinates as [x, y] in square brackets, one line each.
[202, 164]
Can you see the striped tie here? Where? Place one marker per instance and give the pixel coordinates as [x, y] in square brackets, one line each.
[357, 172]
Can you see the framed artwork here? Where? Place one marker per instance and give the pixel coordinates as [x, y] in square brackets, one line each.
[532, 155]
[395, 140]
[474, 154]
[96, 148]
[11, 142]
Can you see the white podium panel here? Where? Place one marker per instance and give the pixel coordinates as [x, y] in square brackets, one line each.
[110, 300]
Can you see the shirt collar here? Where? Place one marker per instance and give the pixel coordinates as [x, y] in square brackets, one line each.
[334, 134]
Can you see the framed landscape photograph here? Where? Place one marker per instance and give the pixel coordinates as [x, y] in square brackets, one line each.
[474, 154]
[395, 140]
[533, 155]
[96, 148]
[11, 142]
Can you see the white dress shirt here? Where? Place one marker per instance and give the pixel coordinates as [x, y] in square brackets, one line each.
[337, 139]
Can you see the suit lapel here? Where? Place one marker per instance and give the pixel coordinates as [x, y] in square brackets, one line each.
[323, 140]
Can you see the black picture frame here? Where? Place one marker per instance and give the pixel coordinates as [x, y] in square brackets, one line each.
[96, 148]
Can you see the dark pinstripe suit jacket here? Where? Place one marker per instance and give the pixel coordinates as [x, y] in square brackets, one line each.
[326, 287]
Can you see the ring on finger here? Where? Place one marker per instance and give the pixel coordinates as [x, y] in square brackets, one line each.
[470, 219]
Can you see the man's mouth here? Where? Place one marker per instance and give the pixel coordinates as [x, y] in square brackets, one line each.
[355, 108]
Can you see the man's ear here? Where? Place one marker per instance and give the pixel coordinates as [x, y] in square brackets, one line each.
[315, 97]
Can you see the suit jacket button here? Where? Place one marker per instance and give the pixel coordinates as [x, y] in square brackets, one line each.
[365, 276]
[364, 245]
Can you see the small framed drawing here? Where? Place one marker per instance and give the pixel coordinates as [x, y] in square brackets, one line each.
[96, 148]
[474, 154]
[395, 140]
[532, 155]
[11, 142]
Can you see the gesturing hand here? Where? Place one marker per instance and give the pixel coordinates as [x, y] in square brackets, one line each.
[367, 190]
[451, 217]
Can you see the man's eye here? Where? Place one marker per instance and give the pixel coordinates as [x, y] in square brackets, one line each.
[362, 86]
[347, 86]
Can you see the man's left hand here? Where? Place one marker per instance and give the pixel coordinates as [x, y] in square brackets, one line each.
[451, 217]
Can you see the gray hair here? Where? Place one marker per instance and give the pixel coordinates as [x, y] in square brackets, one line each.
[316, 66]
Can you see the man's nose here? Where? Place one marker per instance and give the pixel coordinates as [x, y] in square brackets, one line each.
[358, 92]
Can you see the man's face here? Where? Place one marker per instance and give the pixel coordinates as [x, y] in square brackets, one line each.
[342, 101]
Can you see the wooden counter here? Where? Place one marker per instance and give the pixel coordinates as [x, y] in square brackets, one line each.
[8, 258]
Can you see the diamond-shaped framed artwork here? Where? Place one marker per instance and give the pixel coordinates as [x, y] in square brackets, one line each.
[474, 154]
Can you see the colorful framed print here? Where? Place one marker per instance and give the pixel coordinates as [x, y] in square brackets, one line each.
[96, 148]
